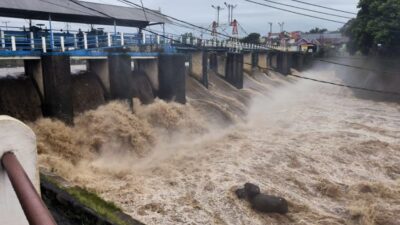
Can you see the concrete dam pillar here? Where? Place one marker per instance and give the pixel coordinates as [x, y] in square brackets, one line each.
[234, 69]
[213, 62]
[150, 68]
[263, 62]
[247, 62]
[57, 87]
[272, 60]
[33, 69]
[308, 60]
[221, 62]
[198, 67]
[298, 61]
[250, 61]
[172, 77]
[254, 59]
[284, 62]
[100, 68]
[19, 139]
[120, 71]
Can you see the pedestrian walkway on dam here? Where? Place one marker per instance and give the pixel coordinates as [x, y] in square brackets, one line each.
[33, 41]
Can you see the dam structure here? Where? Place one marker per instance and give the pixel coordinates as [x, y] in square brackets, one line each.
[144, 64]
[115, 57]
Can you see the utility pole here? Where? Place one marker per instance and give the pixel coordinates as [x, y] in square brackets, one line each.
[270, 28]
[230, 12]
[281, 25]
[218, 8]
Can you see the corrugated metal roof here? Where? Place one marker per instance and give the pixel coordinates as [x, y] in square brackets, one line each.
[83, 12]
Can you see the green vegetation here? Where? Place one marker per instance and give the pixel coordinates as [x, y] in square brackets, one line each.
[376, 28]
[107, 210]
[253, 38]
[318, 30]
[103, 208]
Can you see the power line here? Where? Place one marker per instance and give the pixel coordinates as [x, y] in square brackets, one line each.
[363, 58]
[335, 84]
[218, 9]
[324, 7]
[144, 11]
[356, 67]
[294, 12]
[142, 7]
[90, 8]
[347, 86]
[241, 27]
[173, 18]
[230, 12]
[310, 10]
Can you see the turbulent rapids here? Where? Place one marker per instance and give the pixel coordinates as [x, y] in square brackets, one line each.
[333, 155]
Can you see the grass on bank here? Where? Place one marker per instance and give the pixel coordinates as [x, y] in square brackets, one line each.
[105, 209]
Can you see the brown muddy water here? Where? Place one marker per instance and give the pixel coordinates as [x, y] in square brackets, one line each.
[335, 157]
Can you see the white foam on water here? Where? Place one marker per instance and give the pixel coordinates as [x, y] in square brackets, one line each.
[332, 155]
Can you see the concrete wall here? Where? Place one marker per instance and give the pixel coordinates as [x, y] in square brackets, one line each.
[100, 68]
[248, 62]
[57, 87]
[221, 60]
[20, 139]
[254, 60]
[284, 62]
[150, 68]
[234, 69]
[213, 61]
[172, 77]
[33, 69]
[120, 70]
[273, 60]
[199, 66]
[298, 61]
[196, 65]
[263, 62]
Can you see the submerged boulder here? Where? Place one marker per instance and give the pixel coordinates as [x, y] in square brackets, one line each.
[262, 202]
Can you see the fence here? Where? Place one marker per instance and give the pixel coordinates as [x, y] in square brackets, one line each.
[61, 42]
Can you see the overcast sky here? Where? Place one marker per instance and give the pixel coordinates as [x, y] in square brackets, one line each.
[253, 18]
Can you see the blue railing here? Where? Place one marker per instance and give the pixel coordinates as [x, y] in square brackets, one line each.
[61, 42]
[43, 41]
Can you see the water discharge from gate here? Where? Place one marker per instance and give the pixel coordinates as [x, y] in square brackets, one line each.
[333, 155]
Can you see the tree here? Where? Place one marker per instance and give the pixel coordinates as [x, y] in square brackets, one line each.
[318, 30]
[253, 38]
[377, 27]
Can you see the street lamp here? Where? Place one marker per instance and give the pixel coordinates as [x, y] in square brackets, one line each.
[270, 28]
[230, 11]
[281, 25]
[218, 8]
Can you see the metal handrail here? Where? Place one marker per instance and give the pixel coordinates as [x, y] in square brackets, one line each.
[35, 210]
[71, 41]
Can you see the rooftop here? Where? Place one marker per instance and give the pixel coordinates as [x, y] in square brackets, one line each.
[75, 11]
